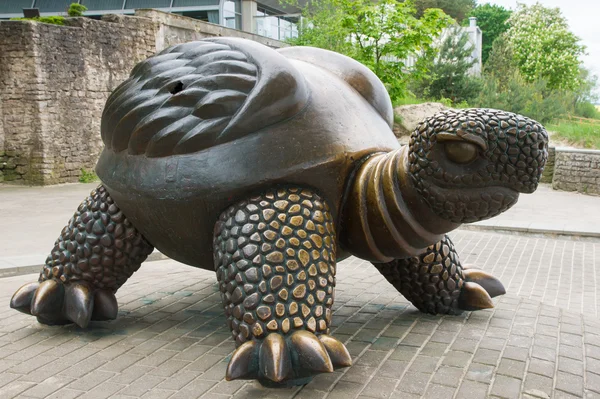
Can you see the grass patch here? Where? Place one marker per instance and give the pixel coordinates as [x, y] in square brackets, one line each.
[583, 135]
[87, 176]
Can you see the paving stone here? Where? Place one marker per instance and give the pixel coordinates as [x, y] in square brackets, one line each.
[541, 367]
[486, 356]
[538, 383]
[472, 389]
[506, 387]
[414, 383]
[392, 368]
[172, 349]
[345, 389]
[424, 364]
[480, 372]
[380, 387]
[569, 383]
[435, 391]
[456, 359]
[511, 368]
[449, 376]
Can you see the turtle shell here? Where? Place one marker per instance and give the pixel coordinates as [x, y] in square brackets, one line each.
[204, 124]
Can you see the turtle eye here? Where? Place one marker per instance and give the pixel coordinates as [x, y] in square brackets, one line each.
[461, 151]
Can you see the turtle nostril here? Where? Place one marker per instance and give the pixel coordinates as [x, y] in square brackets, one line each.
[178, 87]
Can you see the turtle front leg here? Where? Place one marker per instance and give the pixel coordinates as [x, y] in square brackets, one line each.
[95, 254]
[435, 282]
[275, 261]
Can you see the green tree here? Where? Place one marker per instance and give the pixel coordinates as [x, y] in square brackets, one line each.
[457, 9]
[491, 19]
[544, 47]
[378, 34]
[500, 64]
[449, 71]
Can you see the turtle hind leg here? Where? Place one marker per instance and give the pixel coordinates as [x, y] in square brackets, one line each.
[435, 282]
[275, 263]
[95, 254]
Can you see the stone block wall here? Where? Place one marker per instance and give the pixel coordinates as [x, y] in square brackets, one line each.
[20, 147]
[577, 170]
[549, 168]
[54, 82]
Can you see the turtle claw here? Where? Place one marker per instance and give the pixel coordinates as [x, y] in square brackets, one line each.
[21, 299]
[491, 284]
[55, 303]
[474, 297]
[79, 303]
[274, 359]
[339, 355]
[294, 360]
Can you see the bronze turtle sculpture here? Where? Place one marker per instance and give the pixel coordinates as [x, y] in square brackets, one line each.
[276, 164]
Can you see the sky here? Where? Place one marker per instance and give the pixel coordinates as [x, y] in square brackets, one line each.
[583, 17]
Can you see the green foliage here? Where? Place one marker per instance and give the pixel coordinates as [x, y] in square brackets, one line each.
[457, 9]
[544, 47]
[586, 109]
[378, 34]
[578, 134]
[87, 176]
[532, 99]
[448, 76]
[76, 10]
[491, 19]
[500, 64]
[54, 20]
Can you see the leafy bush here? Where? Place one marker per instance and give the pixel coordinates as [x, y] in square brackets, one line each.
[530, 99]
[87, 176]
[76, 10]
[54, 20]
[586, 109]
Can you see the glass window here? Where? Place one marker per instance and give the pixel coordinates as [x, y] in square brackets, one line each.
[14, 7]
[273, 26]
[232, 14]
[53, 5]
[93, 5]
[191, 3]
[147, 4]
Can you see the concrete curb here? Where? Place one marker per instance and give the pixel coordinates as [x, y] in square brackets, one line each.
[20, 270]
[530, 230]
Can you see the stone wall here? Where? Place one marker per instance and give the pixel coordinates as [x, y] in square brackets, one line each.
[577, 170]
[549, 167]
[54, 81]
[53, 86]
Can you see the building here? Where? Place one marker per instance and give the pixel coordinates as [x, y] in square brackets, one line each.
[265, 17]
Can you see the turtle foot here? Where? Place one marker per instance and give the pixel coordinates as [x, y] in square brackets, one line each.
[290, 361]
[55, 303]
[478, 290]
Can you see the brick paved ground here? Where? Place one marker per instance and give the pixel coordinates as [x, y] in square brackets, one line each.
[170, 339]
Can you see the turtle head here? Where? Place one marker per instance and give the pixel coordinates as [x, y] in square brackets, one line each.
[471, 164]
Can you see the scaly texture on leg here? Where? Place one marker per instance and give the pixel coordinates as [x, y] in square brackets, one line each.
[95, 254]
[435, 282]
[275, 262]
